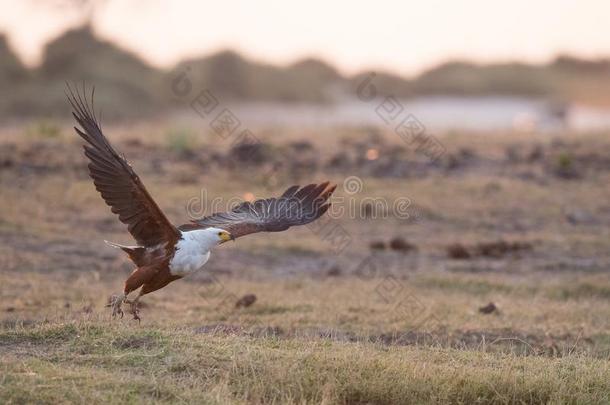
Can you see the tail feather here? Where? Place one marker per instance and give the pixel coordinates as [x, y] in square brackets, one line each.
[136, 253]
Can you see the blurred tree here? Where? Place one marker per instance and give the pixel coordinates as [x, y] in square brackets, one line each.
[227, 74]
[130, 87]
[11, 68]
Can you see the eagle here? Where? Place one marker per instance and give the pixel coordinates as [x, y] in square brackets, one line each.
[163, 252]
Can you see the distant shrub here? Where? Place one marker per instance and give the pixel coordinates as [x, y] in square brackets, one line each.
[565, 166]
[564, 161]
[181, 141]
[46, 129]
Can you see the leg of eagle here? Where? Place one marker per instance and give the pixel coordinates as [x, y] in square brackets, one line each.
[150, 278]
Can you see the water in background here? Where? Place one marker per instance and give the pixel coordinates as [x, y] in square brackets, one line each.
[436, 113]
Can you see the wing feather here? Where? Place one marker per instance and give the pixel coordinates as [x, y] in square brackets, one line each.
[117, 182]
[296, 206]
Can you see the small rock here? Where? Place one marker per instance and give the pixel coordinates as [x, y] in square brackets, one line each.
[488, 309]
[334, 271]
[458, 251]
[401, 245]
[245, 301]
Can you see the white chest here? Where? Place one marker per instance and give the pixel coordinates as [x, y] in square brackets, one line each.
[193, 252]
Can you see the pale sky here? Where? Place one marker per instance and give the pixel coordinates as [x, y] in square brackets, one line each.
[401, 36]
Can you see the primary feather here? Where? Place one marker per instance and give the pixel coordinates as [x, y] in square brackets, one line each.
[296, 206]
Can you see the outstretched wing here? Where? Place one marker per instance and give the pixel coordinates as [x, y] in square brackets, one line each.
[297, 206]
[116, 181]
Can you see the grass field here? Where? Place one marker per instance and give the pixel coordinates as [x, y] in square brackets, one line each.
[360, 324]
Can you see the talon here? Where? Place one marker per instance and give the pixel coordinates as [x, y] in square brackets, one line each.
[115, 302]
[135, 311]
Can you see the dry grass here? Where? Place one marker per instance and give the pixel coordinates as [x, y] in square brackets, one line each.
[325, 328]
[336, 340]
[93, 361]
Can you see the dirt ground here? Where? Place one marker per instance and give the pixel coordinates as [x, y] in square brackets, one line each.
[480, 274]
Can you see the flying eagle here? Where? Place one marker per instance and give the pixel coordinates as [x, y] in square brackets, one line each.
[164, 252]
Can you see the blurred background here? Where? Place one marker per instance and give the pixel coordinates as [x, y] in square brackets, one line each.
[469, 141]
[470, 144]
[470, 64]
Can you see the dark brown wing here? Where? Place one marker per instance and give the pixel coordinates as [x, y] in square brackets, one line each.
[116, 181]
[297, 206]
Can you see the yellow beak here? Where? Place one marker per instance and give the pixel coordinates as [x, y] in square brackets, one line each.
[226, 236]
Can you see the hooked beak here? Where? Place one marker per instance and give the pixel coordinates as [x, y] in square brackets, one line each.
[226, 236]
